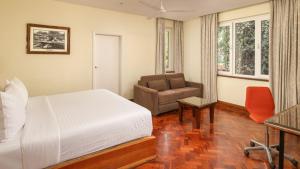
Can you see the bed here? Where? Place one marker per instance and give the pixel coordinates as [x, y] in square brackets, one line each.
[71, 129]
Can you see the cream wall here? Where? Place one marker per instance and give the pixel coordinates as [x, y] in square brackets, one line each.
[49, 74]
[230, 90]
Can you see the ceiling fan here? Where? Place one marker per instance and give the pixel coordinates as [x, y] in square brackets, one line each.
[162, 8]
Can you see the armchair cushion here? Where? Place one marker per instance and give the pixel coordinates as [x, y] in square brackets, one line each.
[188, 92]
[176, 83]
[159, 85]
[168, 96]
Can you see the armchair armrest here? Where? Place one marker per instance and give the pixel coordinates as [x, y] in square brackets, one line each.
[146, 97]
[196, 85]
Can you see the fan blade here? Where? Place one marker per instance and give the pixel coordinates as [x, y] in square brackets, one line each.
[162, 8]
[149, 5]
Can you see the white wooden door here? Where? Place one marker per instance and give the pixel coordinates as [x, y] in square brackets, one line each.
[106, 62]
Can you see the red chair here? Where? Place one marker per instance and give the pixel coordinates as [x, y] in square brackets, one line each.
[260, 105]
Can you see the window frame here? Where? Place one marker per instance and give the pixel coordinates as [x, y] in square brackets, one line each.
[232, 23]
[171, 57]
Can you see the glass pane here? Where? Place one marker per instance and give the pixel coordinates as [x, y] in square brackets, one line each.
[245, 48]
[223, 48]
[167, 50]
[265, 47]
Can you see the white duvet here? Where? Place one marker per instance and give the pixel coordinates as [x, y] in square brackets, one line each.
[66, 126]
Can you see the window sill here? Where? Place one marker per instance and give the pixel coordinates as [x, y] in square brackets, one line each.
[246, 78]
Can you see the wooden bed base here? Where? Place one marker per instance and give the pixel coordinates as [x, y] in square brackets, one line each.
[123, 156]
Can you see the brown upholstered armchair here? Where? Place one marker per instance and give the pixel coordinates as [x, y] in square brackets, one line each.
[159, 93]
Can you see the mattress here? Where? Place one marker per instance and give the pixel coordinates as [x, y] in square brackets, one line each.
[66, 126]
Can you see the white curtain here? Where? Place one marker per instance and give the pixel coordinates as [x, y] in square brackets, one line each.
[178, 46]
[284, 53]
[160, 43]
[208, 55]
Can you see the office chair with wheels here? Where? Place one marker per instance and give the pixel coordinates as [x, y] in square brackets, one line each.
[260, 105]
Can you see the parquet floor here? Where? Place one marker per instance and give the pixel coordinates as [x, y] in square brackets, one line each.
[217, 146]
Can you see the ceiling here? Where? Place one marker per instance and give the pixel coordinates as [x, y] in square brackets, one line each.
[196, 7]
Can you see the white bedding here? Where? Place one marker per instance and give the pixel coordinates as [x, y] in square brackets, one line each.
[95, 120]
[10, 154]
[66, 126]
[41, 136]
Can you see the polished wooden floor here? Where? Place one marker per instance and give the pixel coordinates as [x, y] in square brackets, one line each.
[217, 146]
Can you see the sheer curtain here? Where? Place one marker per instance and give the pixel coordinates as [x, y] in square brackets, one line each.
[208, 55]
[284, 53]
[160, 46]
[178, 46]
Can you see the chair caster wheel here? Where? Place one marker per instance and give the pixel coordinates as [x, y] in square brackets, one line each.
[294, 162]
[272, 166]
[246, 153]
[252, 144]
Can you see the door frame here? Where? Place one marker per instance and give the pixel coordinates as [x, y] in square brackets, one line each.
[120, 59]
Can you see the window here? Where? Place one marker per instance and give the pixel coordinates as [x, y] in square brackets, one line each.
[168, 50]
[265, 47]
[224, 46]
[243, 48]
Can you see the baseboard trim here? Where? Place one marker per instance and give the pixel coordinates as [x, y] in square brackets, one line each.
[231, 107]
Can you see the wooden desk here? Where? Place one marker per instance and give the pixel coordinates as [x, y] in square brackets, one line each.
[197, 105]
[287, 121]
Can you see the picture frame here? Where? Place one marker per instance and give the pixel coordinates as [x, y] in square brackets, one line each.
[46, 39]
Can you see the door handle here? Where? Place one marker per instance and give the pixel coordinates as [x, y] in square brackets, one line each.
[96, 67]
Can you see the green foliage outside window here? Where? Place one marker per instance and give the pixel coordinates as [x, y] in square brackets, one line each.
[245, 48]
[265, 47]
[223, 48]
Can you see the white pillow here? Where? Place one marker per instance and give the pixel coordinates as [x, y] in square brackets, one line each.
[22, 88]
[16, 91]
[12, 116]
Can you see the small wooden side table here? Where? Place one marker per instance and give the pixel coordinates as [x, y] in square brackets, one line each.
[197, 104]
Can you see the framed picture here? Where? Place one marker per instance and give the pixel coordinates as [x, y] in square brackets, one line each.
[44, 39]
